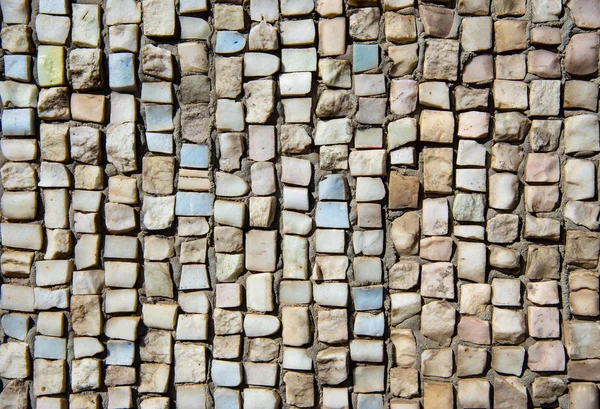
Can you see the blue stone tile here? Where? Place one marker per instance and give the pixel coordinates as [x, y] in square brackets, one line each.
[229, 42]
[159, 118]
[18, 122]
[333, 187]
[369, 401]
[368, 298]
[50, 347]
[16, 325]
[332, 215]
[194, 156]
[120, 353]
[194, 277]
[369, 325]
[159, 142]
[121, 69]
[365, 57]
[18, 67]
[193, 204]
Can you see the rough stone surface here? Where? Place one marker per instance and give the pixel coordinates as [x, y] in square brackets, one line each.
[266, 204]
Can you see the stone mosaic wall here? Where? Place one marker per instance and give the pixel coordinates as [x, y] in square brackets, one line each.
[290, 204]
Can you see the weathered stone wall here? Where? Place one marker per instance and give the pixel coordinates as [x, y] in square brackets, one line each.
[297, 204]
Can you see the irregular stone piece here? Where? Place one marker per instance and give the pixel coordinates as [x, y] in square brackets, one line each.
[403, 96]
[364, 23]
[582, 249]
[476, 33]
[335, 104]
[508, 326]
[15, 11]
[332, 365]
[367, 162]
[473, 393]
[441, 60]
[503, 228]
[403, 191]
[295, 321]
[470, 98]
[544, 64]
[437, 280]
[510, 67]
[299, 389]
[509, 392]
[583, 395]
[437, 362]
[330, 43]
[547, 390]
[259, 100]
[543, 199]
[503, 191]
[437, 21]
[14, 360]
[405, 59]
[49, 377]
[546, 356]
[159, 18]
[436, 126]
[86, 315]
[479, 70]
[434, 94]
[256, 398]
[157, 62]
[585, 13]
[229, 185]
[15, 395]
[84, 68]
[263, 37]
[581, 54]
[17, 39]
[404, 306]
[437, 170]
[24, 236]
[405, 233]
[400, 28]
[582, 213]
[582, 134]
[586, 370]
[438, 322]
[437, 394]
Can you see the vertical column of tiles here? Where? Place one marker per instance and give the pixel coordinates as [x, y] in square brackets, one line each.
[579, 194]
[260, 107]
[368, 163]
[298, 57]
[261, 321]
[469, 206]
[436, 130]
[227, 373]
[581, 143]
[438, 276]
[53, 26]
[404, 188]
[88, 109]
[194, 204]
[22, 236]
[502, 226]
[50, 376]
[298, 63]
[122, 210]
[542, 225]
[159, 367]
[333, 133]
